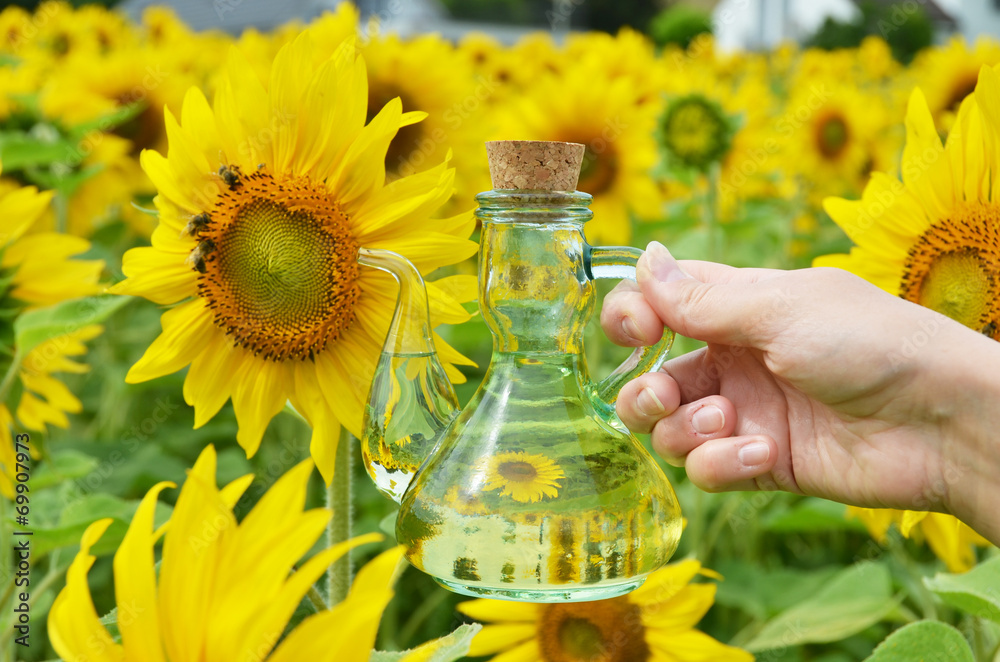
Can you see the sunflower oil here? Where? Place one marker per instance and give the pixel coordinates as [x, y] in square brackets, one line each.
[410, 403]
[535, 495]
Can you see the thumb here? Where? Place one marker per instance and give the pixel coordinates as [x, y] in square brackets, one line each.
[728, 312]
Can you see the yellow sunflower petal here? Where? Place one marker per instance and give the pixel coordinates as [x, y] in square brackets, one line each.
[499, 611]
[200, 525]
[666, 582]
[309, 400]
[347, 632]
[261, 390]
[187, 330]
[158, 276]
[495, 638]
[526, 652]
[924, 169]
[682, 611]
[693, 646]
[362, 170]
[135, 584]
[75, 630]
[209, 381]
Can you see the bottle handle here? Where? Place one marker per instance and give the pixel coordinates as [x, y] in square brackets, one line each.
[618, 263]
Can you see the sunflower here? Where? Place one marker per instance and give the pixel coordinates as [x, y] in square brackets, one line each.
[934, 239]
[428, 75]
[37, 270]
[264, 201]
[43, 399]
[222, 590]
[654, 623]
[525, 477]
[948, 75]
[830, 130]
[587, 106]
[951, 540]
[695, 132]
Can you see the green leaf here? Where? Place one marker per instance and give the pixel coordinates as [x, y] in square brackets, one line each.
[81, 512]
[763, 592]
[20, 150]
[66, 182]
[62, 465]
[449, 648]
[387, 525]
[109, 120]
[812, 514]
[855, 599]
[37, 326]
[923, 640]
[976, 592]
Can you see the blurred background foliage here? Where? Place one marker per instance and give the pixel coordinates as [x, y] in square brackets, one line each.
[785, 559]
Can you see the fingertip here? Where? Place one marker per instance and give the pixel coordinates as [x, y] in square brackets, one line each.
[732, 463]
[628, 319]
[646, 399]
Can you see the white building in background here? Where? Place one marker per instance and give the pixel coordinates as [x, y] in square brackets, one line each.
[741, 24]
[978, 17]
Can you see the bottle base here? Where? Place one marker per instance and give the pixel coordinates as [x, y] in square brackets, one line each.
[554, 594]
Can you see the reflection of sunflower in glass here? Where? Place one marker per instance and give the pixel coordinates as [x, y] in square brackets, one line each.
[37, 270]
[934, 239]
[212, 597]
[603, 115]
[654, 623]
[264, 201]
[524, 477]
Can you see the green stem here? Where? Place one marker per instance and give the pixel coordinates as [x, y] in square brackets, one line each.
[6, 644]
[707, 542]
[712, 211]
[921, 594]
[8, 378]
[338, 499]
[61, 204]
[316, 598]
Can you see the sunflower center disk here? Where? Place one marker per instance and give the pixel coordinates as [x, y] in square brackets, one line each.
[281, 276]
[598, 170]
[695, 132]
[601, 631]
[832, 136]
[954, 268]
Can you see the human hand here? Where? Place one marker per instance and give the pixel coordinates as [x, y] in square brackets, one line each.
[813, 381]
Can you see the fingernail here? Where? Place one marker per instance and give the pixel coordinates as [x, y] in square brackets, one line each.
[631, 329]
[754, 454]
[662, 264]
[648, 403]
[708, 419]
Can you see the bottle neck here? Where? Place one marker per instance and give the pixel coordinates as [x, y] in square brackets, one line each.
[536, 295]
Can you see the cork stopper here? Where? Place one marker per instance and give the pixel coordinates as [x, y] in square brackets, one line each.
[534, 164]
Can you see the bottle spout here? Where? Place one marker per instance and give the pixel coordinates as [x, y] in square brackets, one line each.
[411, 401]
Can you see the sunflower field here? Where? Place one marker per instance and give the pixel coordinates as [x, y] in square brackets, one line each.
[187, 338]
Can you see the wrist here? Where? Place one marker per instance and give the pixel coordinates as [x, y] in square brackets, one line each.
[967, 379]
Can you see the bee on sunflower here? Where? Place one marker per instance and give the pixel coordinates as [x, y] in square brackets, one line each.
[269, 302]
[934, 239]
